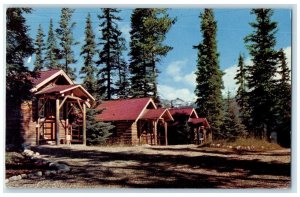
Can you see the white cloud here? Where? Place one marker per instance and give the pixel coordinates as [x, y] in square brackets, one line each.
[125, 29]
[228, 78]
[170, 93]
[175, 70]
[29, 60]
[288, 54]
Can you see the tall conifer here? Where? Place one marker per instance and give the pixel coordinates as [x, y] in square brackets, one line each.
[208, 75]
[122, 84]
[66, 41]
[19, 46]
[148, 31]
[283, 110]
[88, 52]
[110, 56]
[232, 127]
[262, 86]
[241, 95]
[52, 51]
[39, 50]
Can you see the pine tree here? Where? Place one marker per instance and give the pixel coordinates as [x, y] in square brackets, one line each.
[241, 95]
[52, 51]
[208, 74]
[283, 110]
[97, 131]
[261, 81]
[18, 47]
[39, 48]
[232, 127]
[149, 29]
[111, 55]
[66, 41]
[88, 52]
[18, 77]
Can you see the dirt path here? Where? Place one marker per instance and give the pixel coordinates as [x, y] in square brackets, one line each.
[184, 166]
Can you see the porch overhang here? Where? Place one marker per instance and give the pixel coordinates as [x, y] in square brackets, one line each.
[156, 114]
[73, 92]
[199, 122]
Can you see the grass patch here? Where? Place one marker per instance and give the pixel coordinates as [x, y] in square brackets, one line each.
[258, 144]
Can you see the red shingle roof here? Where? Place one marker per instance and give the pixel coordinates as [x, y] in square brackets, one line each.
[185, 111]
[153, 114]
[197, 121]
[43, 75]
[56, 89]
[125, 109]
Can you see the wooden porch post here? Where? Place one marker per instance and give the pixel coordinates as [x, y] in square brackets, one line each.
[84, 123]
[155, 132]
[166, 132]
[38, 131]
[57, 121]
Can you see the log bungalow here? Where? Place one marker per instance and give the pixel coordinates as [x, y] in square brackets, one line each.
[137, 121]
[57, 112]
[188, 116]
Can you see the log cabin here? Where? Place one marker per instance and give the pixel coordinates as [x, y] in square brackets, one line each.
[199, 127]
[56, 114]
[137, 121]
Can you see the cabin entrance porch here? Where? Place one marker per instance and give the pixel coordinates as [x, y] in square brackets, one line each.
[152, 132]
[60, 120]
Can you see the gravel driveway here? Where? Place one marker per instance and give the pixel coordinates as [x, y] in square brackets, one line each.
[184, 166]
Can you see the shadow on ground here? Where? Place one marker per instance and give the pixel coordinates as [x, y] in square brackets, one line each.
[161, 170]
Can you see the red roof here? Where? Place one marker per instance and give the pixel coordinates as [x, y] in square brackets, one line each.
[197, 121]
[186, 111]
[56, 89]
[124, 109]
[153, 114]
[43, 75]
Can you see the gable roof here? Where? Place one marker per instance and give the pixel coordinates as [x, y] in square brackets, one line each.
[183, 111]
[197, 121]
[57, 89]
[46, 76]
[123, 109]
[64, 88]
[154, 114]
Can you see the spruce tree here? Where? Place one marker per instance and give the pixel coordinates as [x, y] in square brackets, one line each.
[18, 47]
[232, 127]
[137, 66]
[262, 86]
[122, 84]
[52, 51]
[241, 95]
[39, 50]
[97, 132]
[18, 77]
[148, 31]
[208, 74]
[110, 55]
[66, 41]
[88, 51]
[283, 110]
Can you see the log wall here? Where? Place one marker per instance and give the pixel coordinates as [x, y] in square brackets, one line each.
[122, 133]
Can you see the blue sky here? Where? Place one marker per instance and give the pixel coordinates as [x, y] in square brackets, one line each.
[177, 77]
